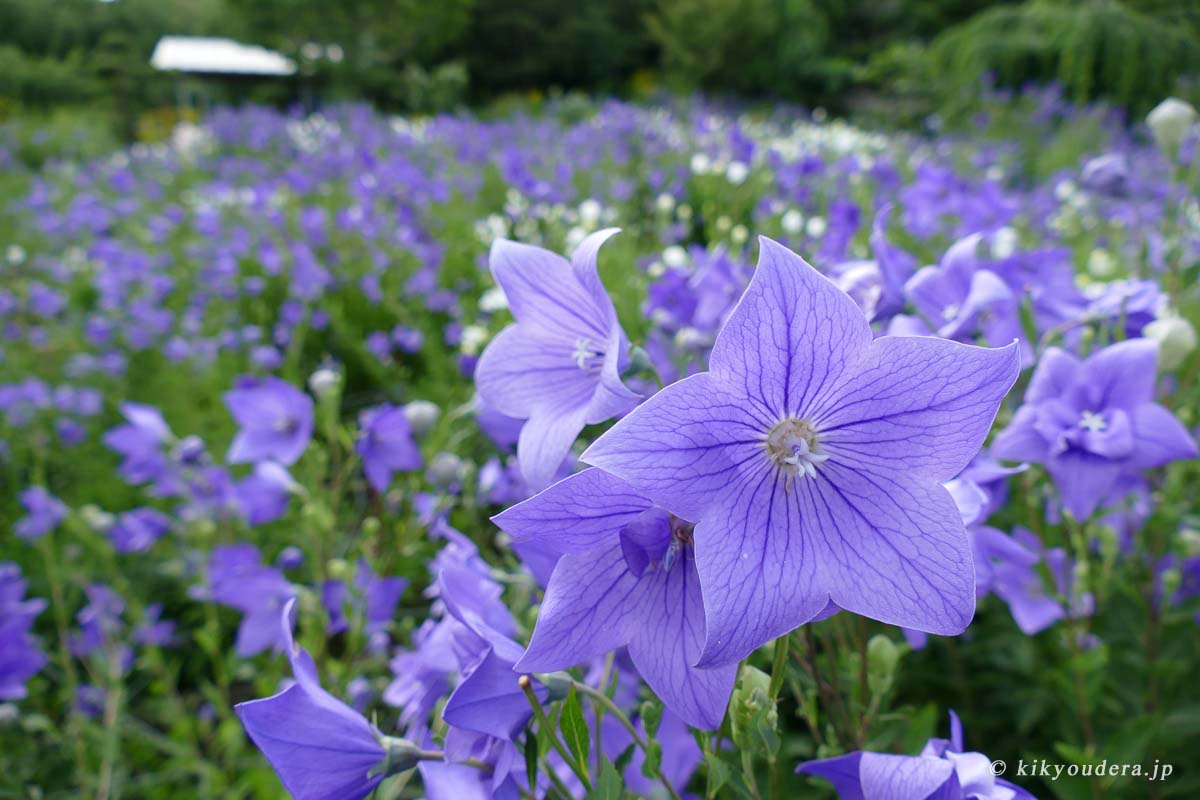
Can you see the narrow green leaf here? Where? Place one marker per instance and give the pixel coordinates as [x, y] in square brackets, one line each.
[574, 728]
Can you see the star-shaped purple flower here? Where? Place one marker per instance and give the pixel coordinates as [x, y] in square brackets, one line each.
[1090, 422]
[627, 576]
[275, 421]
[559, 367]
[811, 457]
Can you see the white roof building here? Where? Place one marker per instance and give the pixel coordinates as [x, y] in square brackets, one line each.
[212, 55]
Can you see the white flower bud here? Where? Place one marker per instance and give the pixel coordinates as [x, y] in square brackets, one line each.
[792, 221]
[1176, 339]
[1169, 122]
[736, 172]
[325, 381]
[422, 415]
[446, 468]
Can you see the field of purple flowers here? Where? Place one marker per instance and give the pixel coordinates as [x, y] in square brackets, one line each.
[349, 456]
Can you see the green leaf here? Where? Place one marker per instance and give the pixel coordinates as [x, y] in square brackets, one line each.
[531, 757]
[574, 728]
[653, 760]
[609, 785]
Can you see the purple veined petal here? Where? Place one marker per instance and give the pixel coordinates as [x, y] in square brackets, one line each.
[918, 406]
[669, 641]
[576, 515]
[586, 612]
[584, 263]
[544, 293]
[1057, 372]
[685, 446]
[545, 441]
[1123, 374]
[890, 776]
[1084, 481]
[317, 755]
[903, 538]
[612, 397]
[520, 371]
[758, 565]
[489, 700]
[1021, 440]
[842, 772]
[1160, 437]
[792, 334]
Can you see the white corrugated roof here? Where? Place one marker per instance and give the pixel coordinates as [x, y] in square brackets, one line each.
[206, 54]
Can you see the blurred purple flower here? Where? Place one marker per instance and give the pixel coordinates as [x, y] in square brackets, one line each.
[43, 513]
[275, 421]
[386, 445]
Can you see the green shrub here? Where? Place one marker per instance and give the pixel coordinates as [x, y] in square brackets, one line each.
[1095, 50]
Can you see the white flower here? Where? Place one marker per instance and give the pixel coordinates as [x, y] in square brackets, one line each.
[589, 212]
[493, 300]
[815, 227]
[664, 203]
[474, 337]
[700, 164]
[675, 256]
[736, 172]
[792, 221]
[1101, 264]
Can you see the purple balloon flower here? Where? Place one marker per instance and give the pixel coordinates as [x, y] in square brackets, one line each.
[275, 420]
[559, 366]
[941, 772]
[136, 531]
[627, 576]
[20, 656]
[140, 443]
[43, 513]
[237, 578]
[1092, 421]
[320, 748]
[386, 445]
[812, 458]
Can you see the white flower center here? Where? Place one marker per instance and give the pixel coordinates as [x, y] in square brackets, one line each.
[1092, 421]
[793, 446]
[587, 356]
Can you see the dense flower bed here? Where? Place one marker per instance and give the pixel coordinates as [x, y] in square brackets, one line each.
[371, 443]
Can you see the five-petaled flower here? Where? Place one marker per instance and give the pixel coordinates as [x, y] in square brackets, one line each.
[559, 366]
[811, 459]
[1092, 421]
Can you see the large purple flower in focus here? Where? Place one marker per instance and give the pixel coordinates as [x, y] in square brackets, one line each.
[811, 457]
[559, 366]
[20, 656]
[320, 747]
[275, 421]
[627, 576]
[943, 771]
[1090, 422]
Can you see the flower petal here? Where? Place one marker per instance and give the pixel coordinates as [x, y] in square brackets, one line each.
[545, 441]
[544, 293]
[918, 405]
[523, 369]
[793, 334]
[577, 514]
[1123, 373]
[669, 640]
[684, 446]
[585, 613]
[1160, 437]
[758, 570]
[902, 538]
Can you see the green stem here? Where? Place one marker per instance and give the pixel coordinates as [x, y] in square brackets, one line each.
[546, 729]
[612, 708]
